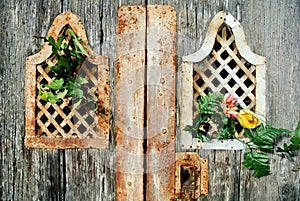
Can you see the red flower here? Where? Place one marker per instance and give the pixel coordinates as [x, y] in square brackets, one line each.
[229, 107]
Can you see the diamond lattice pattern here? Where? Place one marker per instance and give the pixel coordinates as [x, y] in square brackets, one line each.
[224, 70]
[61, 120]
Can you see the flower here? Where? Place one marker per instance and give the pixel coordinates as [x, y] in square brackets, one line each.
[248, 119]
[228, 105]
[229, 100]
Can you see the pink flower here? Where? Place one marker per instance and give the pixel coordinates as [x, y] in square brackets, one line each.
[229, 107]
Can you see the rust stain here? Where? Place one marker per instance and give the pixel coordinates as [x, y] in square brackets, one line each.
[129, 109]
[191, 176]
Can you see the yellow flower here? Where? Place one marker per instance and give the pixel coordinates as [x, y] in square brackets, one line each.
[248, 119]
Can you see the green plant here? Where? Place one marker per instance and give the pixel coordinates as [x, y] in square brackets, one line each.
[295, 143]
[69, 54]
[224, 112]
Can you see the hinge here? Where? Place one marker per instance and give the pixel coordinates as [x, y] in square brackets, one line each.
[191, 176]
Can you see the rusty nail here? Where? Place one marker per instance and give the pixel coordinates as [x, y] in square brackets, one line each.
[129, 183]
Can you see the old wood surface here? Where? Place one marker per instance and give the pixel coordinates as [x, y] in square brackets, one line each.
[271, 28]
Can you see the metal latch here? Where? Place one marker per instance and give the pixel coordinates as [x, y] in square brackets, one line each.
[191, 176]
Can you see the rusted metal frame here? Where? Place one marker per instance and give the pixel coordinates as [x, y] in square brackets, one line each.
[187, 82]
[186, 104]
[130, 93]
[191, 176]
[32, 139]
[260, 91]
[161, 106]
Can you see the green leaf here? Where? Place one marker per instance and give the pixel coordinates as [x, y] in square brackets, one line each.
[52, 42]
[56, 84]
[81, 80]
[43, 94]
[52, 98]
[264, 137]
[295, 143]
[60, 40]
[78, 92]
[257, 161]
[75, 105]
[296, 138]
[76, 42]
[64, 63]
[61, 95]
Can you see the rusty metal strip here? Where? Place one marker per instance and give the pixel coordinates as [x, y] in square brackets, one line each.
[130, 82]
[161, 107]
[204, 176]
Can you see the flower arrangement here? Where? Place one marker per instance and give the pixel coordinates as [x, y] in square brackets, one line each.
[230, 119]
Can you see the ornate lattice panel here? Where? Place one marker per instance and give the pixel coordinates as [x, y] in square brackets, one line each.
[61, 125]
[224, 64]
[224, 70]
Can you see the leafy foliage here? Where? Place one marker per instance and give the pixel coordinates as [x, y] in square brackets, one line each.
[263, 138]
[66, 83]
[257, 161]
[210, 109]
[295, 143]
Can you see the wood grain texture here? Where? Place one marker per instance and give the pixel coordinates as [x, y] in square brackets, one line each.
[272, 30]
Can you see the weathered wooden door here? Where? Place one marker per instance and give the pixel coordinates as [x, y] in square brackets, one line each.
[145, 105]
[272, 30]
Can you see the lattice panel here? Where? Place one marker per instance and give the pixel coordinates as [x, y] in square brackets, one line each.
[224, 63]
[61, 125]
[224, 70]
[61, 120]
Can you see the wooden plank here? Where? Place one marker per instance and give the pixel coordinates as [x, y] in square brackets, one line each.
[161, 106]
[130, 82]
[224, 169]
[19, 21]
[90, 173]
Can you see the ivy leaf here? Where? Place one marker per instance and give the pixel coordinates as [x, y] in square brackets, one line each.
[257, 161]
[56, 84]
